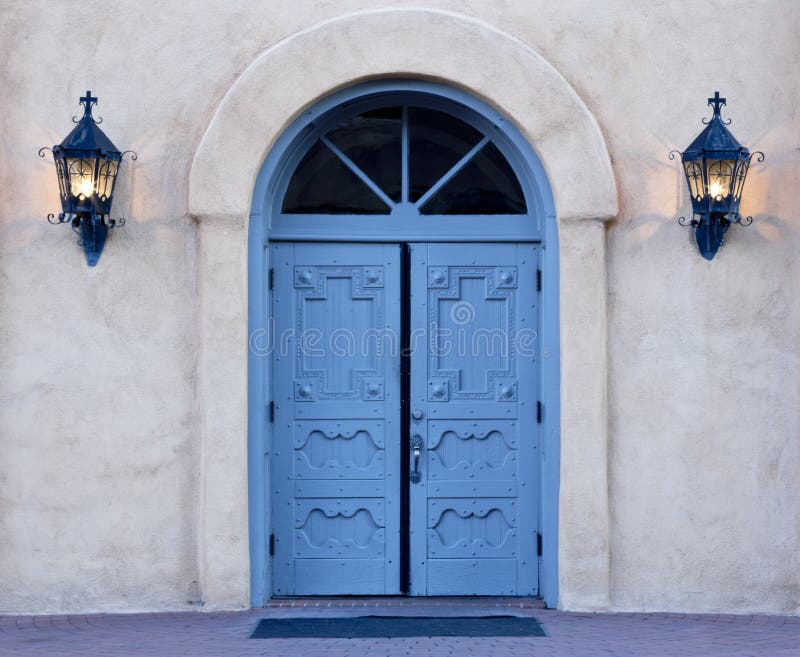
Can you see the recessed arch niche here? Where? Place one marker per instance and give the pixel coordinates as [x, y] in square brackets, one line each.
[289, 78]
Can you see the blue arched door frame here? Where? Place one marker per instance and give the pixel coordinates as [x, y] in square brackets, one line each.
[269, 184]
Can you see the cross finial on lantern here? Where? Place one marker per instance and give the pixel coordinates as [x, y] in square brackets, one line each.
[88, 100]
[717, 102]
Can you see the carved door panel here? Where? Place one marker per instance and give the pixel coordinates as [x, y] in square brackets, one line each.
[474, 472]
[336, 454]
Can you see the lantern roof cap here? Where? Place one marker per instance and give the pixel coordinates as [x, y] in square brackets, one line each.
[87, 135]
[715, 136]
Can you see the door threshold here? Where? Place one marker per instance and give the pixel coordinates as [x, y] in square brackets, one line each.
[402, 601]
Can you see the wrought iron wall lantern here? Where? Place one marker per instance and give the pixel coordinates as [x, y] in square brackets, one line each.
[87, 164]
[715, 165]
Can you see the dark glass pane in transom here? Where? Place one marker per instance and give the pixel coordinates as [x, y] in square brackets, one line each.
[486, 185]
[436, 142]
[322, 184]
[372, 141]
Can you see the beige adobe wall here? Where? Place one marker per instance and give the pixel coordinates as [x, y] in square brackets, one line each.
[122, 477]
[704, 388]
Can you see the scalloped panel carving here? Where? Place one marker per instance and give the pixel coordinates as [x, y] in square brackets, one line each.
[465, 450]
[352, 528]
[471, 528]
[339, 450]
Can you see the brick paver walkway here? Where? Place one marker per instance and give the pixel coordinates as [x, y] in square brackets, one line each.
[569, 634]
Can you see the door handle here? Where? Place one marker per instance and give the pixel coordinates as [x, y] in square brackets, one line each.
[416, 446]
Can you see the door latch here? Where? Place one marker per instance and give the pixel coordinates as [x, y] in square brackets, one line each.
[416, 446]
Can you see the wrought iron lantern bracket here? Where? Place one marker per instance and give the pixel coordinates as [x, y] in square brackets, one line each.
[87, 164]
[715, 166]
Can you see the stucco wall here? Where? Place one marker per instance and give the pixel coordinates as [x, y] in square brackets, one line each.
[106, 474]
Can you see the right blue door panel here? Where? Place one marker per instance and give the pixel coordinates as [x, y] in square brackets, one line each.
[474, 391]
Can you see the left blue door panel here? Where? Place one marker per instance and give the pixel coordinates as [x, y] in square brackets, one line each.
[336, 439]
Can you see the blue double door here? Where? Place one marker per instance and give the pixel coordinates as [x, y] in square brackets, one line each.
[405, 437]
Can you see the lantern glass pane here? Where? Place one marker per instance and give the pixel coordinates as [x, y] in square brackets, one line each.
[720, 178]
[694, 176]
[105, 178]
[741, 174]
[61, 173]
[81, 177]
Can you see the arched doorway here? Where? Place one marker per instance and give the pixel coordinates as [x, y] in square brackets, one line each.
[409, 273]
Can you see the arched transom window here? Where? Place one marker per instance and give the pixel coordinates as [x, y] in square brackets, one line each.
[430, 166]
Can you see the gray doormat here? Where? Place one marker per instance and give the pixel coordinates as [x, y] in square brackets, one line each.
[372, 627]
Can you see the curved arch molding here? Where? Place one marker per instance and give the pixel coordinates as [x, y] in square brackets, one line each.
[281, 83]
[488, 63]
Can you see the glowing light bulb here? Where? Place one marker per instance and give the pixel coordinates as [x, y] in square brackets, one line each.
[715, 188]
[86, 187]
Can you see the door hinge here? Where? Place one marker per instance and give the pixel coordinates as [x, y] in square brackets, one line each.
[538, 280]
[272, 545]
[272, 278]
[538, 544]
[538, 412]
[271, 411]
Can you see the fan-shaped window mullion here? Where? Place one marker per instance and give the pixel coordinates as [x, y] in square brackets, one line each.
[437, 141]
[405, 160]
[452, 172]
[357, 171]
[322, 184]
[485, 185]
